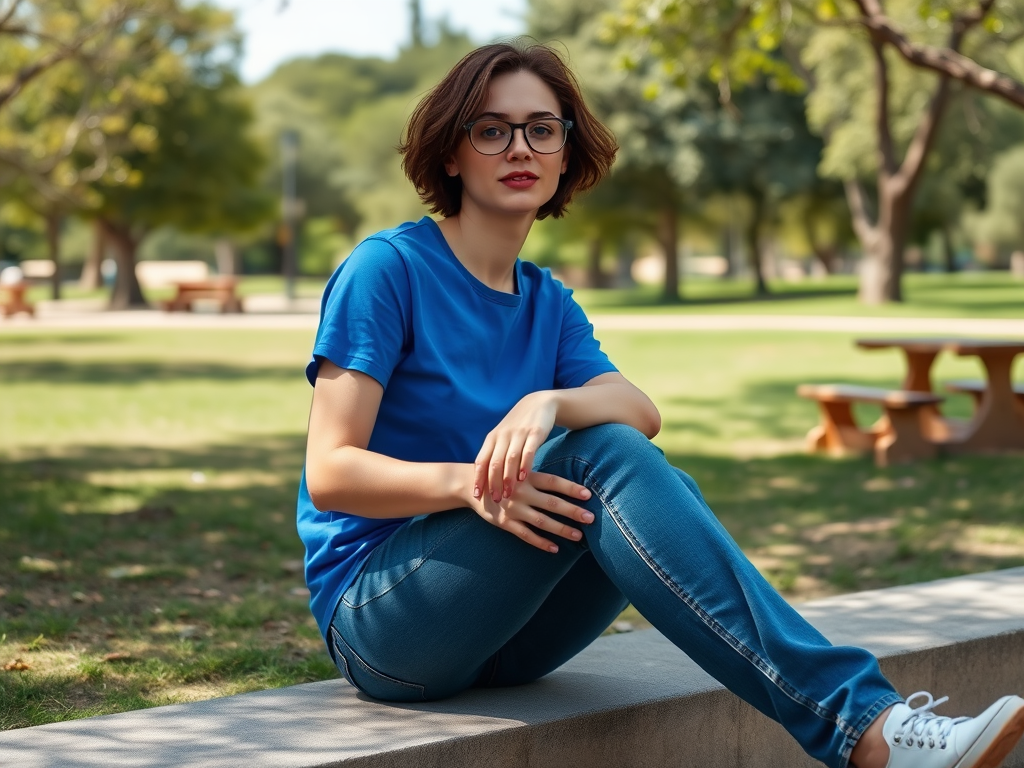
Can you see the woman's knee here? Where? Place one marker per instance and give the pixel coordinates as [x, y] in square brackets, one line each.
[603, 439]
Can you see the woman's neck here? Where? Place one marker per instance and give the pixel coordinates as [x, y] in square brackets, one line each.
[487, 245]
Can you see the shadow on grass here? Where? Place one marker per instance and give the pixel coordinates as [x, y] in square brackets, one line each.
[183, 563]
[29, 339]
[726, 294]
[101, 373]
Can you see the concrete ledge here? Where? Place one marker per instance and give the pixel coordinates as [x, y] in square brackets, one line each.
[628, 700]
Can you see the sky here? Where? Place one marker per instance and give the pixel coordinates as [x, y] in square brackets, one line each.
[278, 30]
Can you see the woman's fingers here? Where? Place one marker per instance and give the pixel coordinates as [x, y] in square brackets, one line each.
[480, 467]
[522, 519]
[511, 470]
[548, 484]
[534, 440]
[496, 466]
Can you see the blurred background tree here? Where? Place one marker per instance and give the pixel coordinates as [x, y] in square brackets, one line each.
[125, 111]
[880, 85]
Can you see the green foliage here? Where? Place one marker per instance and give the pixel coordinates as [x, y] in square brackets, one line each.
[1002, 222]
[200, 172]
[349, 113]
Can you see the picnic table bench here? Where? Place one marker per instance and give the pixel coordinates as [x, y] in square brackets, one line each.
[191, 281]
[14, 300]
[219, 289]
[912, 426]
[895, 438]
[998, 420]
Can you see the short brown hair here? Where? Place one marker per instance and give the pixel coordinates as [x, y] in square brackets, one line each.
[435, 128]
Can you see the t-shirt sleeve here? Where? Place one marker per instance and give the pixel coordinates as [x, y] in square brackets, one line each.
[580, 357]
[364, 314]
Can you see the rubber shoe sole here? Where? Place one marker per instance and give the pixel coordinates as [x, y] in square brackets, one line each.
[999, 737]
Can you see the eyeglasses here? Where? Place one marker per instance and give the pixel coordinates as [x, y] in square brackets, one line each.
[492, 137]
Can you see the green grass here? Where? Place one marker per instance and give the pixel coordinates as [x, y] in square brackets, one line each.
[966, 294]
[969, 294]
[147, 484]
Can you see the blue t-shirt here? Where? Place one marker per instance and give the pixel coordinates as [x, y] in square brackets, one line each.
[453, 355]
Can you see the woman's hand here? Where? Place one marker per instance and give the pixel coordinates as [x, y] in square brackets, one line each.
[532, 497]
[506, 456]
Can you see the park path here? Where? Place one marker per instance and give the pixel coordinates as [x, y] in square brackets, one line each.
[304, 316]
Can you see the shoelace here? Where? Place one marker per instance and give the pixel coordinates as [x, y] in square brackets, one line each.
[924, 724]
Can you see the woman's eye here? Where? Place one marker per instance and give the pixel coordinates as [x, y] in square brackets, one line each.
[492, 132]
[540, 130]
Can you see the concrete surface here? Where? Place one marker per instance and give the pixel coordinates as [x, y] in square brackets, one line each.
[628, 700]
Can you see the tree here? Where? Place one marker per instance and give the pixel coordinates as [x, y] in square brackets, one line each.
[651, 184]
[1002, 222]
[763, 150]
[200, 175]
[828, 46]
[73, 79]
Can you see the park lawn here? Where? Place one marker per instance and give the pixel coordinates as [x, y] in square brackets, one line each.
[964, 294]
[147, 485]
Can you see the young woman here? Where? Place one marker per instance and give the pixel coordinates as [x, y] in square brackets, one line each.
[481, 497]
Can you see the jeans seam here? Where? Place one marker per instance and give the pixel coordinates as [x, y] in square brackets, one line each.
[423, 559]
[709, 621]
[376, 672]
[862, 725]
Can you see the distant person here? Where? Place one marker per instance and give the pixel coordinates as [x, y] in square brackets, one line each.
[481, 497]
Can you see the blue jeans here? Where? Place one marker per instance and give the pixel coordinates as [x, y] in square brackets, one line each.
[450, 602]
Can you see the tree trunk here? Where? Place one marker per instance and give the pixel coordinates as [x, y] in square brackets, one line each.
[948, 251]
[752, 235]
[92, 278]
[825, 254]
[882, 276]
[127, 293]
[624, 263]
[53, 248]
[595, 277]
[227, 259]
[668, 238]
[728, 238]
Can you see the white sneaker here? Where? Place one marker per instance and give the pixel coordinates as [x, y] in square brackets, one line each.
[918, 738]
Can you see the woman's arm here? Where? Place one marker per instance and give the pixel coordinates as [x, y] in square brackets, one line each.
[342, 474]
[606, 399]
[508, 451]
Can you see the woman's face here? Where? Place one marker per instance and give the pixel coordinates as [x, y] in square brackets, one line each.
[518, 180]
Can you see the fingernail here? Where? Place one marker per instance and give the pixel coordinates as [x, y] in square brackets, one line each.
[588, 517]
[552, 549]
[496, 497]
[585, 493]
[522, 475]
[576, 535]
[476, 492]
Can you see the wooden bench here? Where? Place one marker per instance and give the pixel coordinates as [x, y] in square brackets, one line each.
[895, 438]
[976, 389]
[14, 300]
[191, 281]
[219, 289]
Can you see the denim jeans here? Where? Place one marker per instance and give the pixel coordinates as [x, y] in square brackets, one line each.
[449, 602]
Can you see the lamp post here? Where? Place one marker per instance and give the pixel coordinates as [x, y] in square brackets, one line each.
[289, 209]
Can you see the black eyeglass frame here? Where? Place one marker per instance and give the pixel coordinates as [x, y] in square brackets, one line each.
[566, 124]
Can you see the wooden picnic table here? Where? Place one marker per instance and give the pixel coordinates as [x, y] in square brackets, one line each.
[998, 421]
[220, 289]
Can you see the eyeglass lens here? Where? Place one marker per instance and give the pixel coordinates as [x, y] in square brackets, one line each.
[491, 137]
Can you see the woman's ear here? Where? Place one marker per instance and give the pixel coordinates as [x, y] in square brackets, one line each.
[565, 158]
[451, 167]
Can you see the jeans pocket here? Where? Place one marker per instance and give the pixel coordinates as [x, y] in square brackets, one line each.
[370, 681]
